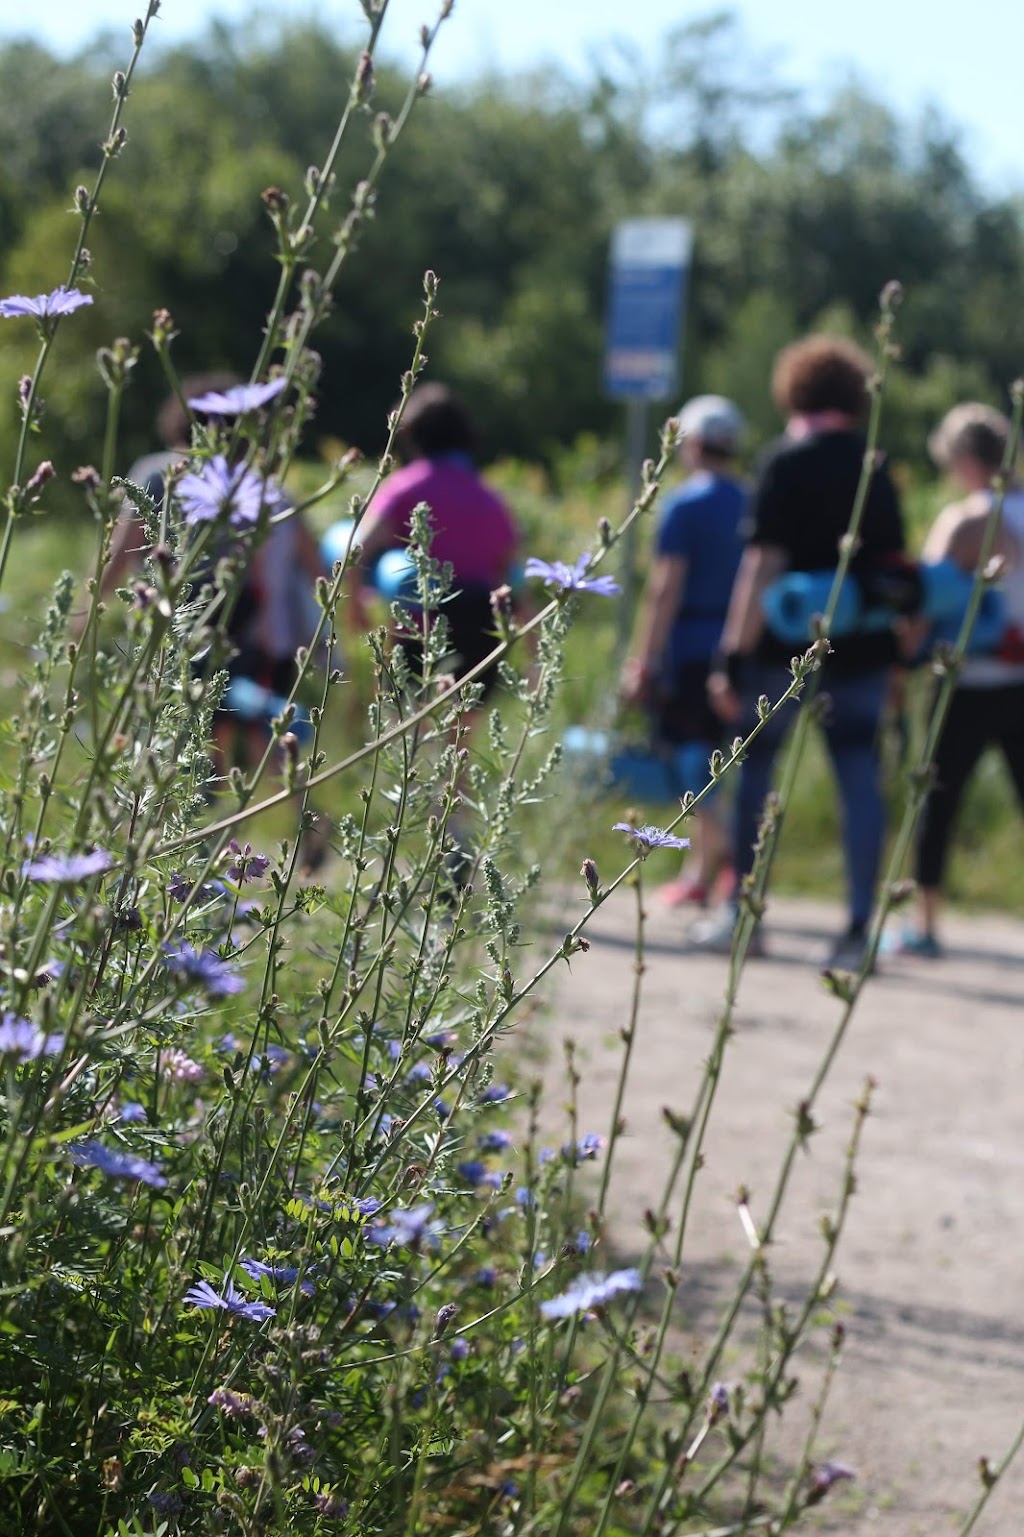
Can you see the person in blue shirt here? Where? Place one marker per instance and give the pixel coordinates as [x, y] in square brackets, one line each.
[698, 547]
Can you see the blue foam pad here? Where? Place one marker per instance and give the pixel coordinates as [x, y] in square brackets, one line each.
[394, 576]
[635, 772]
[334, 543]
[250, 701]
[791, 603]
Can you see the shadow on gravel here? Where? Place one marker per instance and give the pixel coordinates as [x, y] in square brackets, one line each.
[887, 1331]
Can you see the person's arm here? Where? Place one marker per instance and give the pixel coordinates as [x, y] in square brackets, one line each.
[308, 551]
[958, 534]
[766, 557]
[744, 624]
[374, 535]
[663, 599]
[128, 544]
[761, 565]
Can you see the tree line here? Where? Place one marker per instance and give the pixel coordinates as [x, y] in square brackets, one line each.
[509, 190]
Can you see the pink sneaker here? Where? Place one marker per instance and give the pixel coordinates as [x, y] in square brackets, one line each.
[684, 892]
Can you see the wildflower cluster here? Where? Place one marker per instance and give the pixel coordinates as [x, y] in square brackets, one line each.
[282, 1248]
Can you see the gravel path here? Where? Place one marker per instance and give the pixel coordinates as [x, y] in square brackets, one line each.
[930, 1263]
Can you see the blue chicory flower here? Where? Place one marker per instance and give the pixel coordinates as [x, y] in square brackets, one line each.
[237, 400]
[133, 1112]
[167, 1504]
[459, 1350]
[205, 968]
[24, 1040]
[406, 1228]
[588, 1146]
[647, 837]
[220, 489]
[61, 301]
[180, 889]
[495, 1093]
[590, 1291]
[234, 1406]
[67, 869]
[330, 1507]
[285, 1275]
[473, 1171]
[572, 578]
[117, 1164]
[367, 1205]
[230, 1299]
[247, 866]
[272, 1058]
[494, 1141]
[824, 1477]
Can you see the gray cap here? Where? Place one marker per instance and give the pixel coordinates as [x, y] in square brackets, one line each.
[713, 420]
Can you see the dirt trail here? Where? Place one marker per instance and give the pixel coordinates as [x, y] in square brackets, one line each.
[930, 1266]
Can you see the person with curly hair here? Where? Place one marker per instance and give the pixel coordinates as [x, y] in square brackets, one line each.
[801, 508]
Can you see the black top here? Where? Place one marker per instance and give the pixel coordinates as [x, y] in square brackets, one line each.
[802, 505]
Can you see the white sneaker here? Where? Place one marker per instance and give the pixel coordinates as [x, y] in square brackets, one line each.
[715, 933]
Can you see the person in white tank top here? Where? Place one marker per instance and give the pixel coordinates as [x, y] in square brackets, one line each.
[987, 707]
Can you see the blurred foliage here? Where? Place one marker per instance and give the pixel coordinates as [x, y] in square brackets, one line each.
[509, 190]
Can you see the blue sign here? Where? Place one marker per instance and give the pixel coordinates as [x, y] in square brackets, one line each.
[649, 265]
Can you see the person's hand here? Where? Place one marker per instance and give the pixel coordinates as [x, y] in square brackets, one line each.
[911, 635]
[723, 698]
[635, 683]
[896, 691]
[77, 623]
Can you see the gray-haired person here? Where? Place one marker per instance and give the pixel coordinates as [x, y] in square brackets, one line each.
[987, 706]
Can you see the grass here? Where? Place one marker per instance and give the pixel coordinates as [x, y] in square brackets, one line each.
[989, 846]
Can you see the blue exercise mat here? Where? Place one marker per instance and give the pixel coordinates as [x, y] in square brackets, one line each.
[792, 603]
[250, 701]
[637, 772]
[393, 574]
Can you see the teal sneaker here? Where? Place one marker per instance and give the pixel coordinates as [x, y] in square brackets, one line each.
[914, 942]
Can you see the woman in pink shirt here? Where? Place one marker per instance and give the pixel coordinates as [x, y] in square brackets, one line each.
[472, 530]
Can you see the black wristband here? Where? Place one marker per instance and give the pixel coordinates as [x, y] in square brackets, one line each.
[729, 663]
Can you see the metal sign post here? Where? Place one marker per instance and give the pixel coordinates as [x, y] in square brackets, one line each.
[650, 260]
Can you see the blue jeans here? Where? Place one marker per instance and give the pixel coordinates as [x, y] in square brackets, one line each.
[851, 727]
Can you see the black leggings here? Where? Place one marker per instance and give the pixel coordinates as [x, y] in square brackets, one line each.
[978, 718]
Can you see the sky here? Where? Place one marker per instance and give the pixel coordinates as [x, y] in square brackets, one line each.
[967, 61]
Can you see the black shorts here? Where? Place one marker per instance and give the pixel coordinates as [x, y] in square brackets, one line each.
[471, 637]
[681, 710]
[277, 673]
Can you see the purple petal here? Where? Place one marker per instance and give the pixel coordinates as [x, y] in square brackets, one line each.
[238, 399]
[118, 1165]
[202, 1295]
[61, 301]
[68, 869]
[24, 1040]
